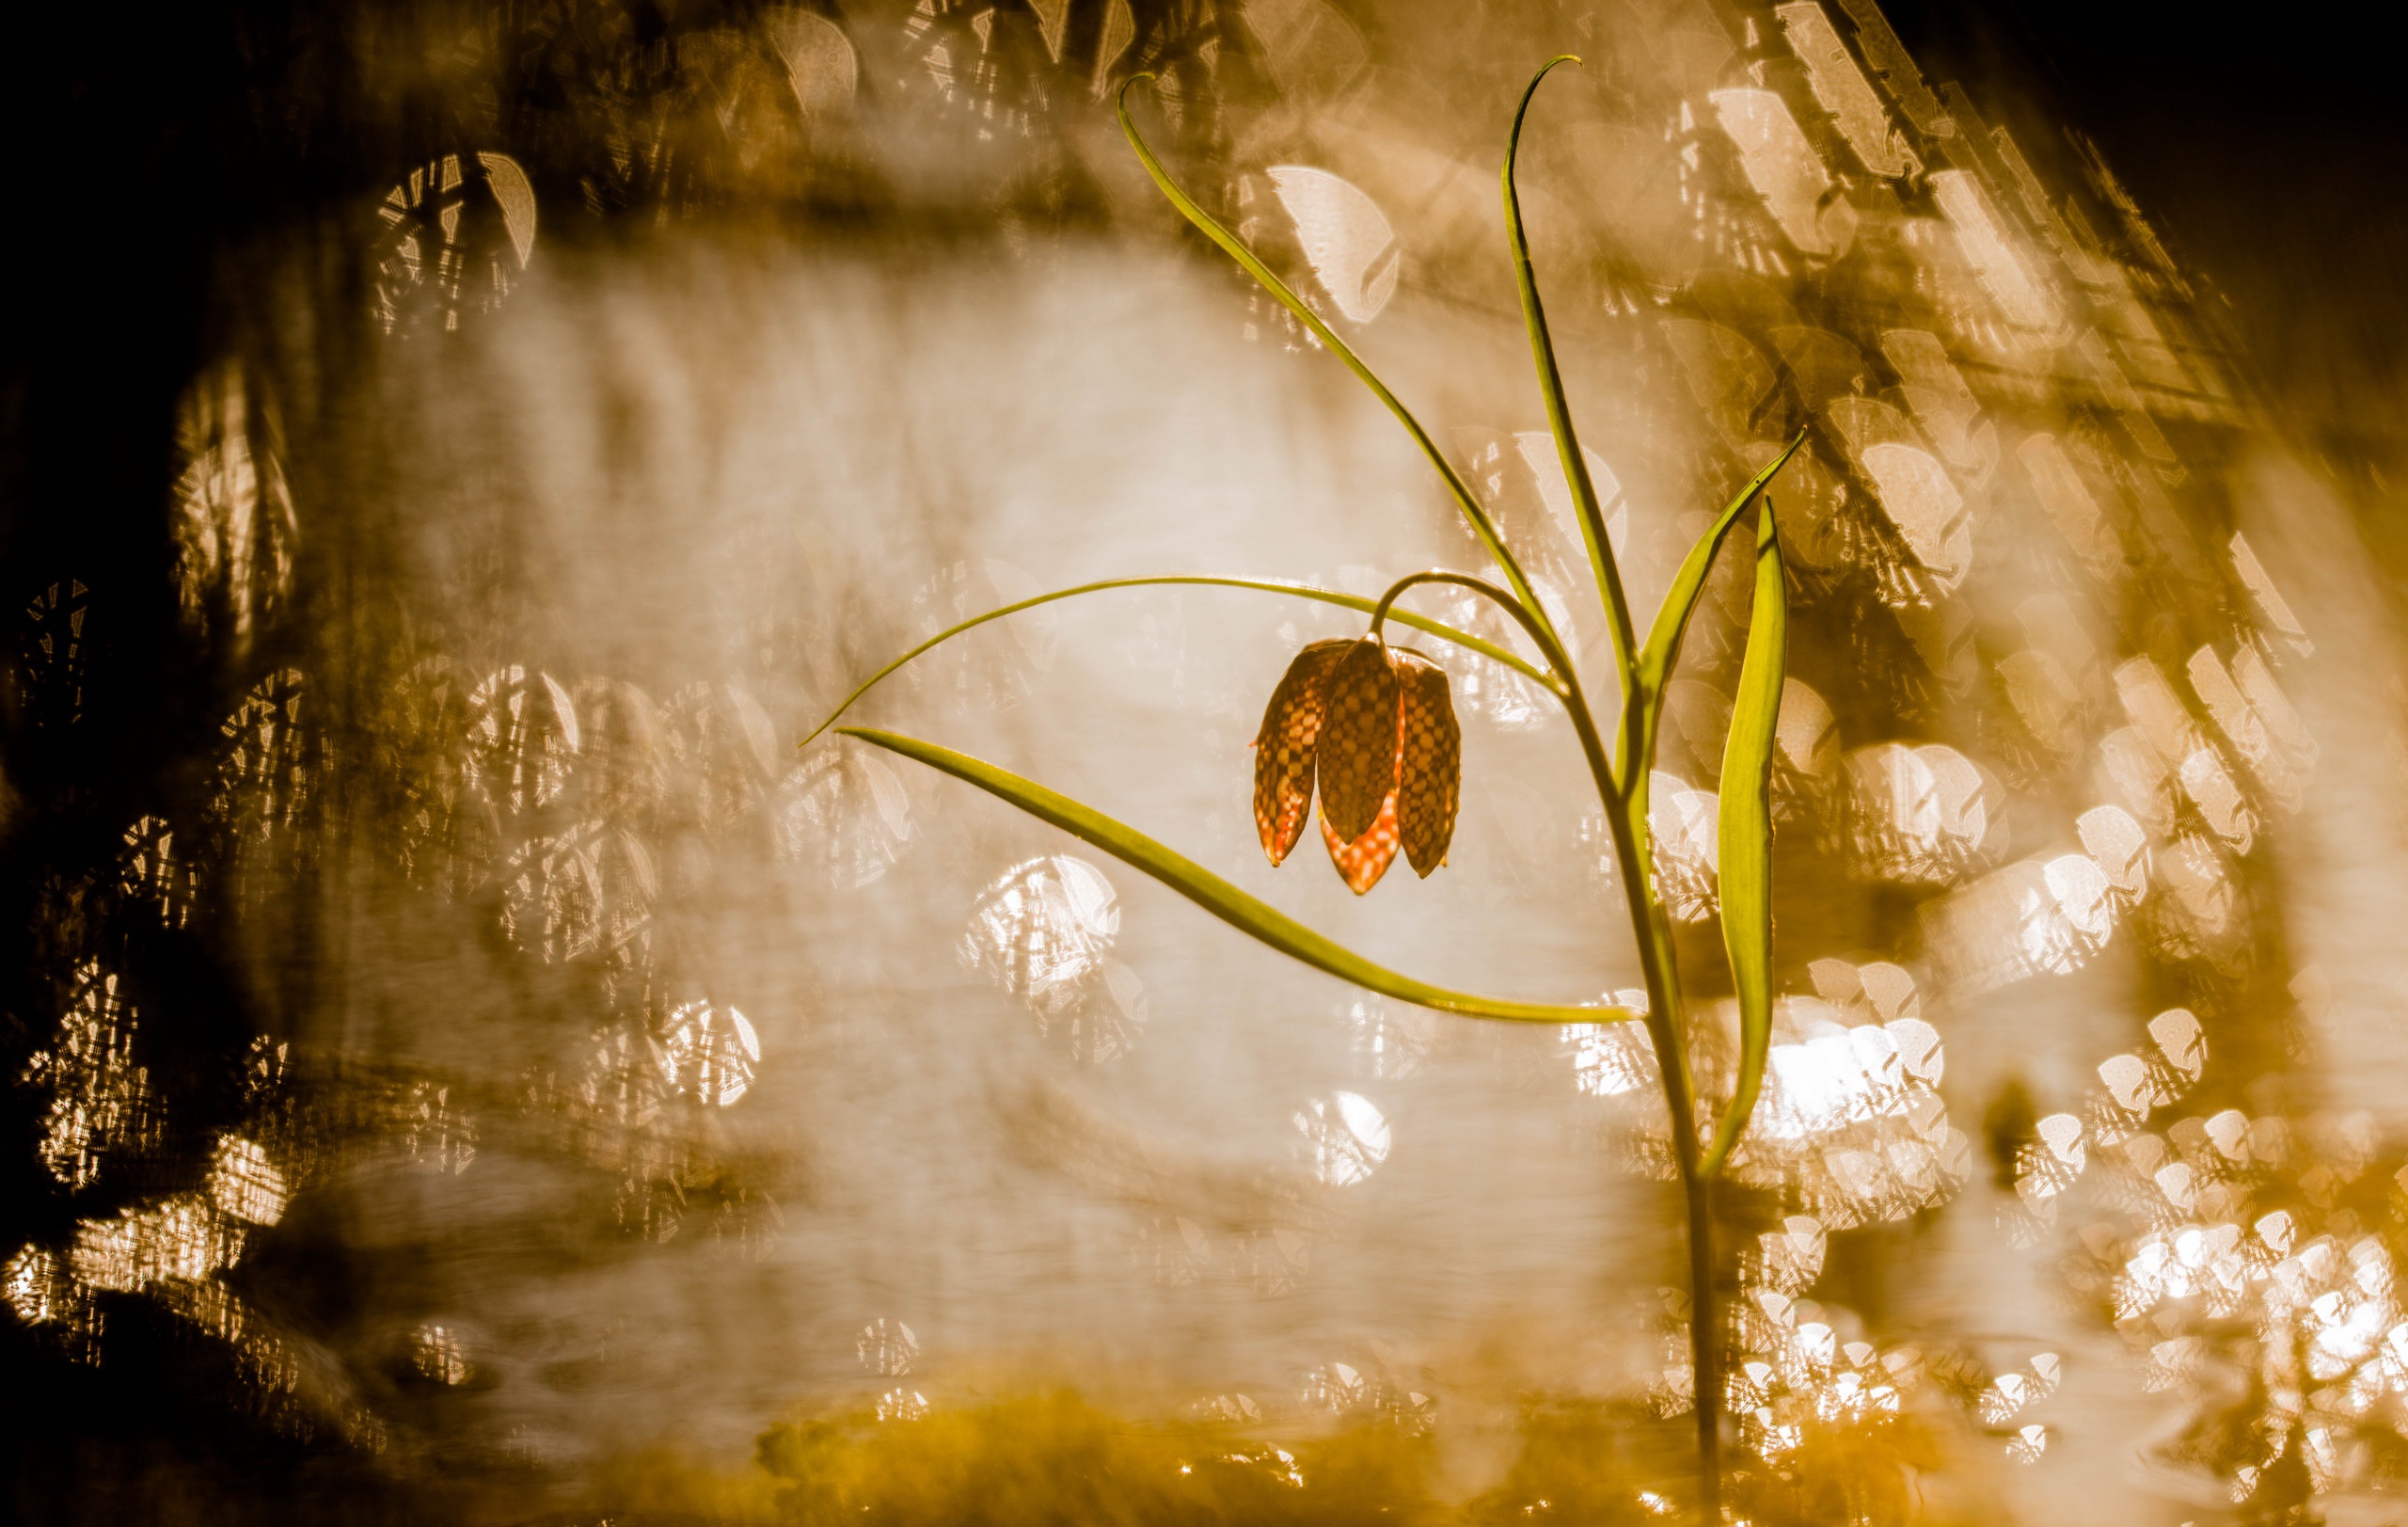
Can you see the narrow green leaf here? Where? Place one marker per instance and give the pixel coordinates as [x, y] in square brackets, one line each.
[1257, 919]
[1559, 411]
[1302, 591]
[1211, 226]
[1672, 619]
[1745, 830]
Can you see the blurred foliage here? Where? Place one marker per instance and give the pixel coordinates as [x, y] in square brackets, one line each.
[1053, 1456]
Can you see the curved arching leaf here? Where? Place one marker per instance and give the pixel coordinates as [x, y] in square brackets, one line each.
[1258, 919]
[1482, 525]
[1745, 831]
[1558, 410]
[1266, 585]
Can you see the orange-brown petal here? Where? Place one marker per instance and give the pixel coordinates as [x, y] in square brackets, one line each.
[1361, 863]
[1283, 755]
[1355, 765]
[1429, 772]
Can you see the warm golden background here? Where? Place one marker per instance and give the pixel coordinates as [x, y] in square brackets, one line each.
[464, 1062]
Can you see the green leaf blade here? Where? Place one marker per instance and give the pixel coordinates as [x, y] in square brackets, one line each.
[1663, 646]
[1188, 207]
[1263, 585]
[1744, 835]
[1558, 409]
[1258, 919]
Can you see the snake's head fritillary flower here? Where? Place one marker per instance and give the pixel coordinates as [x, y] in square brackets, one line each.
[1372, 730]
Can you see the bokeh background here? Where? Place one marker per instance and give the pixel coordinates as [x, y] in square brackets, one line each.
[455, 1043]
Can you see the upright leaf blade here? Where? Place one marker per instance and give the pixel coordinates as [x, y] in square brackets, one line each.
[1745, 830]
[1559, 411]
[1259, 920]
[1673, 618]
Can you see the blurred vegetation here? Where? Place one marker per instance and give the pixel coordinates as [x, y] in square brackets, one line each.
[1051, 1455]
[1054, 1457]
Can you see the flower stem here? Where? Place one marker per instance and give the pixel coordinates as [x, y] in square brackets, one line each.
[1706, 1352]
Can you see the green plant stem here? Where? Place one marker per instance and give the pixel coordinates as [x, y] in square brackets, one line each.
[1558, 680]
[1623, 791]
[1625, 810]
[1625, 806]
[1660, 971]
[1644, 689]
[1651, 932]
[1706, 1349]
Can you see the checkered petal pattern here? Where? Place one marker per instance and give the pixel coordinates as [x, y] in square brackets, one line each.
[1356, 764]
[1361, 863]
[1284, 748]
[1430, 774]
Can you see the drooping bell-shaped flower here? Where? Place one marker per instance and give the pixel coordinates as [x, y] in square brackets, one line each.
[1372, 731]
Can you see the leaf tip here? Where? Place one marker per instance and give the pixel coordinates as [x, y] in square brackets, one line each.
[1121, 100]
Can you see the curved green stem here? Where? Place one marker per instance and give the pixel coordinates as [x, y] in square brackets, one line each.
[1560, 681]
[1558, 412]
[1266, 585]
[1483, 526]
